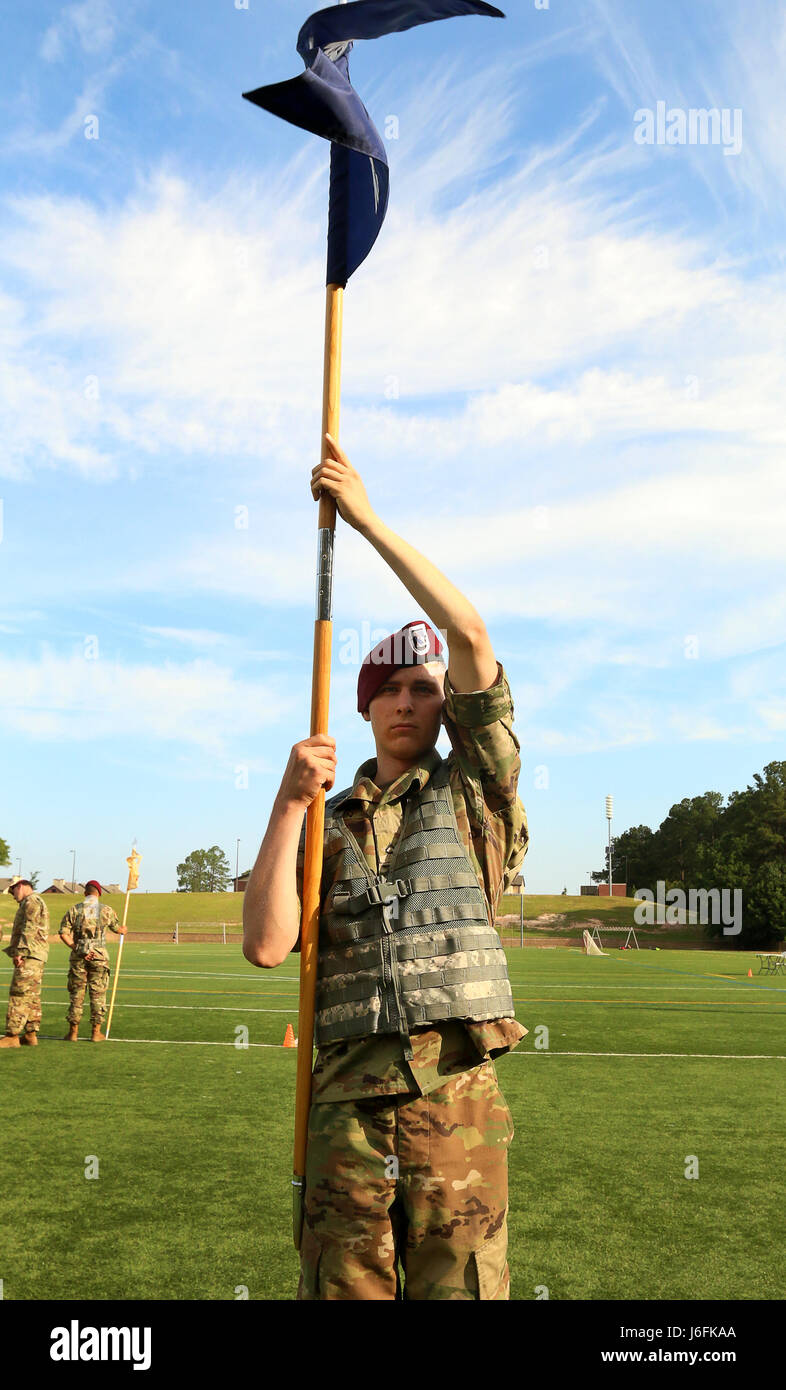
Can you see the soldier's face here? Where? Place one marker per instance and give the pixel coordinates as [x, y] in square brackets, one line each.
[406, 712]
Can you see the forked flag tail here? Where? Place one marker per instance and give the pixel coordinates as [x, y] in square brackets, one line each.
[133, 879]
[322, 100]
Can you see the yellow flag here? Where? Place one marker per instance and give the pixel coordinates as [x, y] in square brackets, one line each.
[133, 869]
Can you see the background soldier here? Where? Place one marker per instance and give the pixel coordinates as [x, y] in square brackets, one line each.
[408, 1130]
[28, 949]
[84, 929]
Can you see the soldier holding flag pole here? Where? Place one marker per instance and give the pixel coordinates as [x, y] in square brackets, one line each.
[429, 961]
[84, 929]
[406, 1171]
[132, 861]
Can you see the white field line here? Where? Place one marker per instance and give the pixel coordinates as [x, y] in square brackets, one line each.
[179, 1042]
[710, 1056]
[188, 1008]
[634, 985]
[204, 1008]
[204, 975]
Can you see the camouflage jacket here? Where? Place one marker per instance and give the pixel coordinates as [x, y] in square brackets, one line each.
[484, 768]
[83, 927]
[30, 932]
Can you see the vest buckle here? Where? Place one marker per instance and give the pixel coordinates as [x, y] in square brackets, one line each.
[380, 894]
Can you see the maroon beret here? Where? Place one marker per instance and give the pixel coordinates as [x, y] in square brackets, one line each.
[93, 883]
[413, 645]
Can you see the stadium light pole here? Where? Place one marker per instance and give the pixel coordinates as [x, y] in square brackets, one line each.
[73, 870]
[625, 857]
[19, 867]
[237, 862]
[609, 814]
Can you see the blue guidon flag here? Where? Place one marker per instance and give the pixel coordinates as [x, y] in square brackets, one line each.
[323, 101]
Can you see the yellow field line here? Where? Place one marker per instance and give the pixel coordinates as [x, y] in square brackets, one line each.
[222, 993]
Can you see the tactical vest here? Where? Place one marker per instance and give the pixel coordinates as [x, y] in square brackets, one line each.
[414, 946]
[84, 938]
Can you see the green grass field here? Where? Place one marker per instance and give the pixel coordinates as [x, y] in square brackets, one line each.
[197, 912]
[651, 1058]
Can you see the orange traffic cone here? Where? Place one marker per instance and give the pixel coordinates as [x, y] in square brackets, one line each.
[289, 1037]
[750, 974]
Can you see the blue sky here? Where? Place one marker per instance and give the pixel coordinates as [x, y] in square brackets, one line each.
[563, 381]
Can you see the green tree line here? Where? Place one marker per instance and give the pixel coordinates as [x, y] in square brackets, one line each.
[703, 843]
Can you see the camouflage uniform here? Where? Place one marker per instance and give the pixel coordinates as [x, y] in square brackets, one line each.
[407, 1159]
[85, 924]
[30, 940]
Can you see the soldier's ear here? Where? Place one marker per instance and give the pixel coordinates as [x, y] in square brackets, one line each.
[366, 715]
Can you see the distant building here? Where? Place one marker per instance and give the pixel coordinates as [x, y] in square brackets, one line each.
[240, 884]
[64, 885]
[590, 890]
[618, 890]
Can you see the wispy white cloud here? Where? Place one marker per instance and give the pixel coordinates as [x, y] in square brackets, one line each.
[189, 637]
[199, 313]
[641, 66]
[90, 24]
[605, 395]
[58, 698]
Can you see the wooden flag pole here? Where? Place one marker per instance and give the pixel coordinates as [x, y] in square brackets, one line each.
[315, 816]
[132, 875]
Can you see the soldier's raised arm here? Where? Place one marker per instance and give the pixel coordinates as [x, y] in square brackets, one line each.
[473, 665]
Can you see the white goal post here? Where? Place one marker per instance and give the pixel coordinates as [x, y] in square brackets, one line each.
[590, 946]
[217, 930]
[630, 937]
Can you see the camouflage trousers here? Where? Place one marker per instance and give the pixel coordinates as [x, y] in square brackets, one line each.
[81, 975]
[407, 1196]
[24, 998]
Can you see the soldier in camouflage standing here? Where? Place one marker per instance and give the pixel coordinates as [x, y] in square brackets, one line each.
[28, 949]
[84, 929]
[406, 1180]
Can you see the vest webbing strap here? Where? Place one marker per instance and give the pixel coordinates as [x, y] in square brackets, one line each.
[431, 979]
[400, 887]
[415, 856]
[423, 917]
[435, 822]
[410, 948]
[482, 1010]
[427, 947]
[437, 916]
